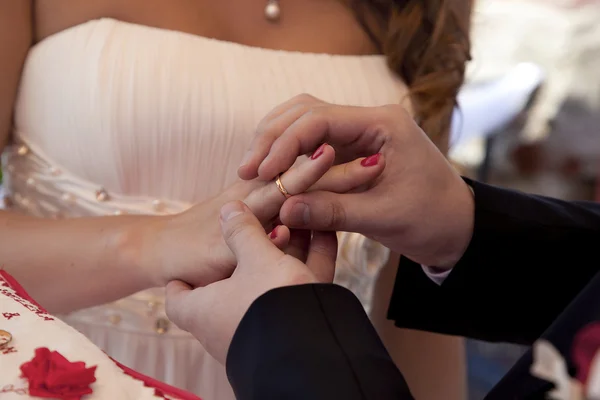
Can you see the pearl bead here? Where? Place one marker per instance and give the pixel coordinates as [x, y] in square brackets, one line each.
[23, 150]
[152, 306]
[54, 171]
[157, 205]
[162, 326]
[101, 195]
[272, 10]
[30, 182]
[68, 197]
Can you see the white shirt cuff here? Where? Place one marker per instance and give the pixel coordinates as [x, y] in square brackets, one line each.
[435, 275]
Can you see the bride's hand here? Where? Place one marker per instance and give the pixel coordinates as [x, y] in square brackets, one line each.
[190, 247]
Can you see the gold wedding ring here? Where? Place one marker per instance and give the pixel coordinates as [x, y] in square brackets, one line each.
[281, 188]
[5, 338]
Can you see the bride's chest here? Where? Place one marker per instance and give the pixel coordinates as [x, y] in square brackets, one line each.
[144, 111]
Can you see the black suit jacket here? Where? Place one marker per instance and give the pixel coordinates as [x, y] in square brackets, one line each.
[529, 272]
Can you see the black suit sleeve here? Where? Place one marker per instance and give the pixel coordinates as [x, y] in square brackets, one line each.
[311, 342]
[528, 259]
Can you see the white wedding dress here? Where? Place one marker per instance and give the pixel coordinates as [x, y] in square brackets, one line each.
[114, 117]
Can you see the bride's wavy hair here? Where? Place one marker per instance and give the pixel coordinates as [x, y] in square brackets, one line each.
[426, 43]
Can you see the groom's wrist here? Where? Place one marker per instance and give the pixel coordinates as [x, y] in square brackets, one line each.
[459, 215]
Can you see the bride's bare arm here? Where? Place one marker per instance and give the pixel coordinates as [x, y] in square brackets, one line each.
[73, 263]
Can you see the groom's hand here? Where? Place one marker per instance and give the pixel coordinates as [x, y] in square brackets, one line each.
[419, 206]
[212, 313]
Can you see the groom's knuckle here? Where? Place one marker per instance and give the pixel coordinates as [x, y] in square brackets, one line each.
[304, 98]
[316, 113]
[336, 215]
[237, 231]
[268, 130]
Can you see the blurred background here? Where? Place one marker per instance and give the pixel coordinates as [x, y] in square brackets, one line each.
[529, 117]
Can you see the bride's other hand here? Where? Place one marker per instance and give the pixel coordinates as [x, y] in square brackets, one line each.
[190, 247]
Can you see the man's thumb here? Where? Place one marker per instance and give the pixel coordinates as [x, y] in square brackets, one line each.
[244, 234]
[324, 211]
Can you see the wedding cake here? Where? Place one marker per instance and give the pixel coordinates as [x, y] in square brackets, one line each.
[42, 357]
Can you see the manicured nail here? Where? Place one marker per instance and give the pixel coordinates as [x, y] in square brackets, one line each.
[273, 234]
[231, 210]
[371, 160]
[299, 215]
[318, 152]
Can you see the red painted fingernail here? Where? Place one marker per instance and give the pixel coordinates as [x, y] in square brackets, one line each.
[318, 152]
[273, 234]
[371, 160]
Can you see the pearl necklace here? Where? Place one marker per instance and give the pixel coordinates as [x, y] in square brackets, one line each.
[272, 10]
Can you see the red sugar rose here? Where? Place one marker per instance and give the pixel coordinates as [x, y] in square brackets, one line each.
[52, 376]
